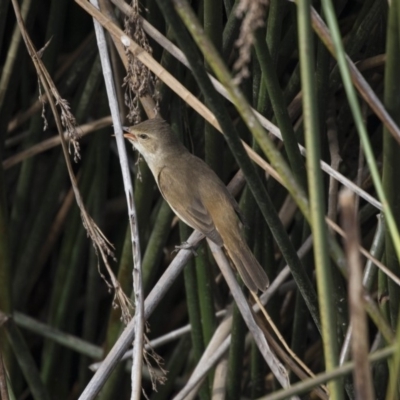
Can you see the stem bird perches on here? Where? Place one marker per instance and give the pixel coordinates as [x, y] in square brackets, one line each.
[132, 66]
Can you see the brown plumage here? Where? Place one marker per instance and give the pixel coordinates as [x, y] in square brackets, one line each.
[196, 195]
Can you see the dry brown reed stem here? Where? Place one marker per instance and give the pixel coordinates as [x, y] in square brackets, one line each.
[358, 318]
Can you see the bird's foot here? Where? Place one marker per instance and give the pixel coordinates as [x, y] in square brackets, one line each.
[185, 246]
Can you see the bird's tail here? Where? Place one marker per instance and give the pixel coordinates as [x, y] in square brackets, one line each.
[251, 272]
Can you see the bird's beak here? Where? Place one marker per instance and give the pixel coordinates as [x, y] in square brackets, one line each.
[130, 136]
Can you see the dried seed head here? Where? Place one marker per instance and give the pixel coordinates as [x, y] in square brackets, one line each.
[254, 18]
[138, 81]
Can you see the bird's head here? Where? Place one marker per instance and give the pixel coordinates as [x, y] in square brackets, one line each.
[150, 137]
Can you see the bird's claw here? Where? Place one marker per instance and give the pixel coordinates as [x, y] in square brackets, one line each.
[185, 246]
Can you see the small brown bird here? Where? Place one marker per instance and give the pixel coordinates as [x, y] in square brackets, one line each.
[196, 195]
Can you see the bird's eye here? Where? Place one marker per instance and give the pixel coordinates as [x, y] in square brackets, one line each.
[143, 136]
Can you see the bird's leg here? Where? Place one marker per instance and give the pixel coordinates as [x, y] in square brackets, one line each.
[185, 246]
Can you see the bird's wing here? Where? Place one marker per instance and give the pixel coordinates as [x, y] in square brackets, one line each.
[192, 211]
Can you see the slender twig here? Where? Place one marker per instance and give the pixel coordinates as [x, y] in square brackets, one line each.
[137, 356]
